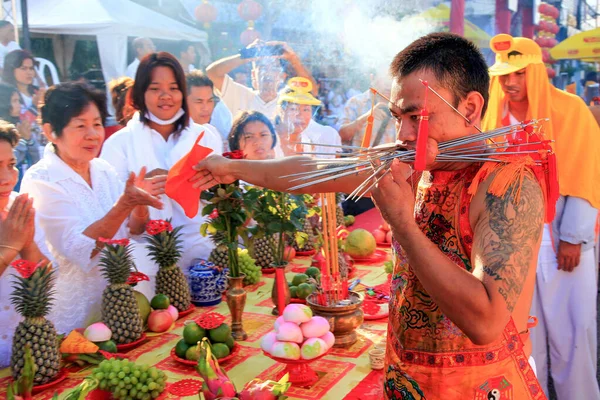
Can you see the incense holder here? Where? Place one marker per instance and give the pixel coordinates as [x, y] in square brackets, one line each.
[343, 319]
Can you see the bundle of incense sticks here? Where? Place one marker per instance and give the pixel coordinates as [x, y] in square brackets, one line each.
[334, 287]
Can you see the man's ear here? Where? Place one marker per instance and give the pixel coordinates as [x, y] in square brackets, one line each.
[473, 105]
[48, 132]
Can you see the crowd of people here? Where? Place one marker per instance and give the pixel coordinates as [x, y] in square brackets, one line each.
[463, 286]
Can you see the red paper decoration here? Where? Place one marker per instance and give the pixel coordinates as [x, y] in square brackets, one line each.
[136, 277]
[25, 268]
[206, 13]
[210, 320]
[249, 10]
[186, 387]
[115, 242]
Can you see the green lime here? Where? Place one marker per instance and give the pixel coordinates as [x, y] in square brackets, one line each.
[192, 354]
[108, 346]
[313, 272]
[220, 350]
[304, 290]
[230, 342]
[294, 291]
[181, 348]
[219, 334]
[299, 278]
[160, 302]
[192, 334]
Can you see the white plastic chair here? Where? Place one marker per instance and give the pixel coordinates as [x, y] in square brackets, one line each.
[41, 69]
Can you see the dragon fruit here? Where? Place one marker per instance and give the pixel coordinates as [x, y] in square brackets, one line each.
[216, 383]
[268, 390]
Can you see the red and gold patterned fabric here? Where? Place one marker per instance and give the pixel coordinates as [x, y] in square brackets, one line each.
[428, 357]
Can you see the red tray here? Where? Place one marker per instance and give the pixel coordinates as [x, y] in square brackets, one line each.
[297, 301]
[300, 374]
[268, 270]
[378, 256]
[62, 375]
[188, 311]
[368, 317]
[126, 347]
[233, 352]
[384, 244]
[305, 253]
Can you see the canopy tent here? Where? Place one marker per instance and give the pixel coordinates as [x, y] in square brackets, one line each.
[111, 21]
[439, 17]
[583, 46]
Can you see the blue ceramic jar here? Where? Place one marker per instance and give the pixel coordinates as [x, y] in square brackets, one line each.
[207, 283]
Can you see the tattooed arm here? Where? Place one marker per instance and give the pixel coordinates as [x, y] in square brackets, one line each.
[506, 243]
[506, 239]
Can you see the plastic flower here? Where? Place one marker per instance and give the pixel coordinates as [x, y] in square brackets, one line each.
[25, 268]
[234, 155]
[115, 242]
[156, 226]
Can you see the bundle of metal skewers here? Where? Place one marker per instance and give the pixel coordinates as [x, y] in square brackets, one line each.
[474, 148]
[524, 138]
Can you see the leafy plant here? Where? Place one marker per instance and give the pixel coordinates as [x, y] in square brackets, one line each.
[278, 213]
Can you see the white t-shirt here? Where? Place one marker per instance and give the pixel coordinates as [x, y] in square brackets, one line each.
[222, 119]
[321, 134]
[132, 68]
[240, 98]
[4, 50]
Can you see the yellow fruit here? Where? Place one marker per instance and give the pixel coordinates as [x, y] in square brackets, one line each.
[360, 243]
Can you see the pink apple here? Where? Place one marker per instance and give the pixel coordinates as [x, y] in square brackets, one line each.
[174, 312]
[388, 237]
[160, 321]
[289, 253]
[384, 226]
[379, 235]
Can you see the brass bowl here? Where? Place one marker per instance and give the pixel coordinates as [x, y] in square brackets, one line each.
[343, 320]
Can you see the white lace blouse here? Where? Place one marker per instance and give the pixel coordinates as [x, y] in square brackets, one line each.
[65, 206]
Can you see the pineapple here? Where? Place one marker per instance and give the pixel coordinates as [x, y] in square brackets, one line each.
[218, 255]
[32, 298]
[263, 251]
[343, 265]
[120, 310]
[308, 243]
[165, 249]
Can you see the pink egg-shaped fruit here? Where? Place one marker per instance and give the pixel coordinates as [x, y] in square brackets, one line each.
[289, 332]
[329, 339]
[97, 332]
[174, 312]
[278, 322]
[287, 350]
[313, 348]
[316, 327]
[267, 341]
[297, 313]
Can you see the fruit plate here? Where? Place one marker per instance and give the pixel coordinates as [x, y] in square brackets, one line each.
[297, 301]
[383, 244]
[126, 347]
[188, 311]
[268, 270]
[375, 317]
[234, 351]
[300, 374]
[305, 253]
[62, 375]
[378, 256]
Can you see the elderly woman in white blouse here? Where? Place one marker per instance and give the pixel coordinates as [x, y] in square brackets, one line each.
[158, 136]
[80, 199]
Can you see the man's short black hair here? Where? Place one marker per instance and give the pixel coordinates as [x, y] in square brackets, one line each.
[456, 63]
[197, 78]
[4, 23]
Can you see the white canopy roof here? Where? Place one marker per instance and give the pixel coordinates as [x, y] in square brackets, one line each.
[111, 21]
